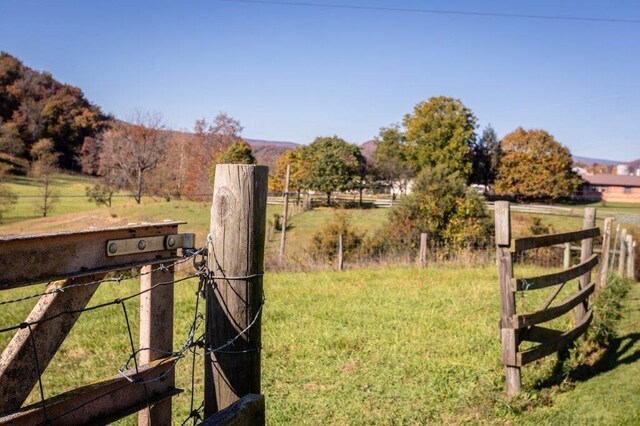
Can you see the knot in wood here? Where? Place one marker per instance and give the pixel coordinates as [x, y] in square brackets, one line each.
[224, 205]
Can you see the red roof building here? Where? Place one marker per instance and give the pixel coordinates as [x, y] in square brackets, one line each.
[617, 188]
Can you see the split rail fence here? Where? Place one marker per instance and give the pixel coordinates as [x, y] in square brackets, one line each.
[229, 268]
[518, 327]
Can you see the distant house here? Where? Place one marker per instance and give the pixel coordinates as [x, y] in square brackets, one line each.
[607, 187]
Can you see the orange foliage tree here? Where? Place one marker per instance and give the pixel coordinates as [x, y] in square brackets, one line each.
[534, 165]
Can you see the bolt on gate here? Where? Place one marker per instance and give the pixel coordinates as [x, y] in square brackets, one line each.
[75, 264]
[516, 327]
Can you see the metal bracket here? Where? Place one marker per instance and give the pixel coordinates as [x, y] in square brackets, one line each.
[148, 244]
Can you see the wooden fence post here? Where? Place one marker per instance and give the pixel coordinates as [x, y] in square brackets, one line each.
[566, 263]
[622, 257]
[633, 261]
[606, 248]
[235, 299]
[156, 331]
[585, 253]
[507, 297]
[340, 253]
[630, 258]
[423, 250]
[285, 212]
[614, 240]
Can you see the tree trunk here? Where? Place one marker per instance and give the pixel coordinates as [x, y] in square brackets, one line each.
[138, 194]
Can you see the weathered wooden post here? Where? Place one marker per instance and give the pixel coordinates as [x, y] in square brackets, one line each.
[633, 261]
[566, 263]
[630, 258]
[614, 244]
[234, 299]
[507, 296]
[156, 332]
[285, 211]
[606, 248]
[585, 253]
[622, 257]
[340, 253]
[423, 250]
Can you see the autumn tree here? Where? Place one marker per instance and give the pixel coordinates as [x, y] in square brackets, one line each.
[535, 165]
[10, 141]
[131, 151]
[89, 157]
[295, 159]
[209, 142]
[441, 131]
[391, 159]
[332, 165]
[8, 198]
[37, 106]
[486, 157]
[170, 177]
[43, 168]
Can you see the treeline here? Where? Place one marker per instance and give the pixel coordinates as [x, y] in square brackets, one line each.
[44, 121]
[440, 132]
[34, 106]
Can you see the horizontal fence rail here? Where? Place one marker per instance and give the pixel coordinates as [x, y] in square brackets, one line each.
[515, 327]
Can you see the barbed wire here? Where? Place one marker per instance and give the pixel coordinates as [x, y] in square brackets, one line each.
[196, 345]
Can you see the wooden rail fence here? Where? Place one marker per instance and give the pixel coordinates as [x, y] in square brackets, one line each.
[517, 327]
[80, 261]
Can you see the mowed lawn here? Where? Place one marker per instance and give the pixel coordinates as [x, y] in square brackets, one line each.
[372, 346]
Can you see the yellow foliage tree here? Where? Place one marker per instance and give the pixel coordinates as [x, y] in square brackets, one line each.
[534, 165]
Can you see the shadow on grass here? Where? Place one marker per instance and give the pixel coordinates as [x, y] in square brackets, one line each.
[621, 351]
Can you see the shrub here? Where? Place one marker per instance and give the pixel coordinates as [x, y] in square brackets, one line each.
[100, 194]
[591, 351]
[325, 241]
[608, 305]
[444, 207]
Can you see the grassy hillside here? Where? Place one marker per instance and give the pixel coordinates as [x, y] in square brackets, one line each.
[373, 346]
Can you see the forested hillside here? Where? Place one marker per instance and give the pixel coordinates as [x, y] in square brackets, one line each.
[34, 106]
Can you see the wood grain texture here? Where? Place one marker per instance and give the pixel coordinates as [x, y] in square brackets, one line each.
[18, 373]
[423, 250]
[622, 259]
[556, 344]
[586, 252]
[26, 260]
[603, 274]
[526, 320]
[630, 258]
[238, 217]
[508, 336]
[156, 331]
[538, 241]
[102, 402]
[247, 411]
[503, 223]
[542, 281]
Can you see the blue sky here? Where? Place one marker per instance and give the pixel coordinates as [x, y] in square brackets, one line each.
[293, 73]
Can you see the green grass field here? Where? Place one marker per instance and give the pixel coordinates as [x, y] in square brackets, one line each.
[374, 346]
